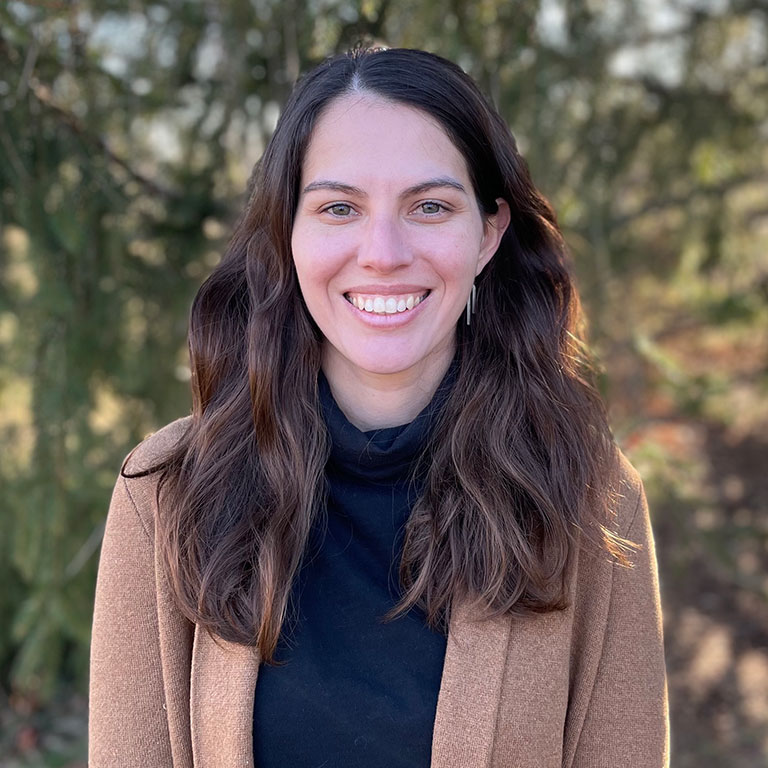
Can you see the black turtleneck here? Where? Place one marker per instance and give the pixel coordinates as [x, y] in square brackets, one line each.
[352, 690]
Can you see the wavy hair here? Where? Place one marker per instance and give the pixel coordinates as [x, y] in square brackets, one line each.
[517, 472]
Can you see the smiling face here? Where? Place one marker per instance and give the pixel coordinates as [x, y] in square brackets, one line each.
[388, 238]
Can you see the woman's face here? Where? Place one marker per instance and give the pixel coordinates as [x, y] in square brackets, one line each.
[388, 237]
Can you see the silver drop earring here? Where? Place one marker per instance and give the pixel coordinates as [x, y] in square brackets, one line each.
[471, 302]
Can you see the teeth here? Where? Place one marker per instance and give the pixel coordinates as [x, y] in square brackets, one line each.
[385, 305]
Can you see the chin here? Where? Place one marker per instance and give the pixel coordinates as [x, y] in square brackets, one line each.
[384, 367]
[390, 360]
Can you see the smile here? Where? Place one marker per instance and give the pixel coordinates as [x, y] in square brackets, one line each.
[385, 305]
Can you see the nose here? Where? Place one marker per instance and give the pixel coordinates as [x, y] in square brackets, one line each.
[383, 246]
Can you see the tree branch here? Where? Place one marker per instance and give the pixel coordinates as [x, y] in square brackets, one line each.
[42, 93]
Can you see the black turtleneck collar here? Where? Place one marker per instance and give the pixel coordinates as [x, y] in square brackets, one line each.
[348, 681]
[380, 455]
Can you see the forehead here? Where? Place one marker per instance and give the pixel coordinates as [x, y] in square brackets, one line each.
[360, 137]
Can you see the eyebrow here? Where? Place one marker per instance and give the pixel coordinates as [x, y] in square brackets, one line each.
[423, 186]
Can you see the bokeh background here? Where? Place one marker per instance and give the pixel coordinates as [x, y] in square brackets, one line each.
[127, 133]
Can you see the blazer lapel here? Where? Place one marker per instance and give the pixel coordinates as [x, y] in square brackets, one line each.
[223, 681]
[470, 691]
[221, 702]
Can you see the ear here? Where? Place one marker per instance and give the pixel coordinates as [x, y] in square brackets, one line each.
[494, 228]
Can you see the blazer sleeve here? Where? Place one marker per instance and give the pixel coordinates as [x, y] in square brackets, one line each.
[128, 723]
[627, 722]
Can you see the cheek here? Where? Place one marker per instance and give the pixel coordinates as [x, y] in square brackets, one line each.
[316, 261]
[453, 255]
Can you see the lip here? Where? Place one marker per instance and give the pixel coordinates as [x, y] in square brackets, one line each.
[396, 320]
[388, 290]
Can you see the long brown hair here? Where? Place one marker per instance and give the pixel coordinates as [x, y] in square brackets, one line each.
[517, 470]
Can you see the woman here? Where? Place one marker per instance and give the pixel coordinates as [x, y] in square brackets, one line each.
[395, 529]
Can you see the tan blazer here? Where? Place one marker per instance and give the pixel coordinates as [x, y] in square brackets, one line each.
[583, 688]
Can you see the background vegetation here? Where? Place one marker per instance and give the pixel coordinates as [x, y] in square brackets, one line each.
[127, 131]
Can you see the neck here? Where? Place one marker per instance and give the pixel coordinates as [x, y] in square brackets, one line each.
[379, 400]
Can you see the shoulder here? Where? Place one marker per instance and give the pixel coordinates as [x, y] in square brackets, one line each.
[616, 517]
[155, 447]
[137, 482]
[622, 503]
[628, 493]
[626, 539]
